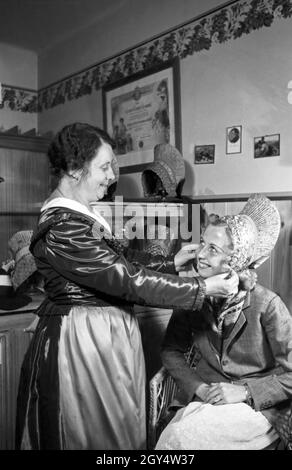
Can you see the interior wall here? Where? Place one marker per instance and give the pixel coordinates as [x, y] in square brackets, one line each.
[111, 35]
[124, 25]
[240, 82]
[18, 68]
[88, 109]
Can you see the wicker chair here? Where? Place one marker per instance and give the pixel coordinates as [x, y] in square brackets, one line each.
[162, 391]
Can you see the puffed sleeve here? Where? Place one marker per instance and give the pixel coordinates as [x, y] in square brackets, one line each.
[73, 249]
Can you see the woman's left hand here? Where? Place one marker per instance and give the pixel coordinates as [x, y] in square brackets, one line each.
[186, 254]
[222, 393]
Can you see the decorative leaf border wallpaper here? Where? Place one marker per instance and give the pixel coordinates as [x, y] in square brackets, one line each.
[226, 23]
[19, 99]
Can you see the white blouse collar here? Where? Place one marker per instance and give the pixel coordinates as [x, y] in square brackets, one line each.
[76, 206]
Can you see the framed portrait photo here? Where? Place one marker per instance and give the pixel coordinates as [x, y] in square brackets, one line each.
[142, 111]
[233, 139]
[267, 146]
[204, 154]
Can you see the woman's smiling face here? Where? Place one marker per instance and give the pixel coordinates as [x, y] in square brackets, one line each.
[215, 251]
[98, 174]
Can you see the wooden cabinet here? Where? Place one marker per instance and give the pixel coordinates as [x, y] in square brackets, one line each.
[14, 341]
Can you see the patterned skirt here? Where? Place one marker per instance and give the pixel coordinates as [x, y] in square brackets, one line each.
[82, 383]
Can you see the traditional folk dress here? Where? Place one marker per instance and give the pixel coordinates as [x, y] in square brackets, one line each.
[82, 383]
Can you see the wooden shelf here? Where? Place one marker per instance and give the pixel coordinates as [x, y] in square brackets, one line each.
[22, 142]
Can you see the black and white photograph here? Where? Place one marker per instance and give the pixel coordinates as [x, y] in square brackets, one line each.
[267, 146]
[140, 112]
[233, 139]
[145, 231]
[204, 154]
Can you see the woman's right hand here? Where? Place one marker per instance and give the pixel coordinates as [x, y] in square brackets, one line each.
[222, 285]
[202, 391]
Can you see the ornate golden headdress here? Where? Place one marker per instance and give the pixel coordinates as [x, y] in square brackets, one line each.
[254, 231]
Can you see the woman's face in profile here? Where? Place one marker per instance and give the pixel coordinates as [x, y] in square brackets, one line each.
[99, 174]
[215, 252]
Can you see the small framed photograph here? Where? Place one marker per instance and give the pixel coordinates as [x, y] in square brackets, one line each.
[233, 139]
[204, 154]
[267, 146]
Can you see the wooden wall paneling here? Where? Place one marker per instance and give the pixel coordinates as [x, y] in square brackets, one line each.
[18, 343]
[26, 178]
[281, 258]
[24, 189]
[14, 341]
[4, 390]
[25, 142]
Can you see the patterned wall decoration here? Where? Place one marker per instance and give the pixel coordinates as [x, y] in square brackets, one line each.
[18, 99]
[224, 24]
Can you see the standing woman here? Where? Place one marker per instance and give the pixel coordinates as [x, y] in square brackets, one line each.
[82, 383]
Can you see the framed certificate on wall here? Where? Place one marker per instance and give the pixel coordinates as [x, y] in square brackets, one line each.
[142, 111]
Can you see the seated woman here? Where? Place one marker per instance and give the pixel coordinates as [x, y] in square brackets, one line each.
[238, 396]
